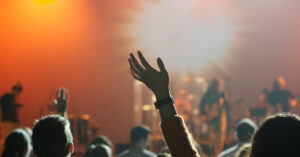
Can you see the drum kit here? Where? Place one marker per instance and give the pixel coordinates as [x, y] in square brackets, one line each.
[84, 129]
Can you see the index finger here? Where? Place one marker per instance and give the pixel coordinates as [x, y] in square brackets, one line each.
[58, 93]
[62, 92]
[66, 95]
[144, 61]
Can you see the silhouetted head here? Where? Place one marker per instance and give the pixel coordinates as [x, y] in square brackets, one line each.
[17, 89]
[52, 137]
[28, 130]
[17, 144]
[278, 136]
[139, 135]
[216, 84]
[98, 150]
[245, 129]
[279, 83]
[102, 140]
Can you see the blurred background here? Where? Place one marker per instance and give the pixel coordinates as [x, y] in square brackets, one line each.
[84, 46]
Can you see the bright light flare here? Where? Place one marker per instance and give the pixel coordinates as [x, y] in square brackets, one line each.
[43, 1]
[36, 24]
[181, 34]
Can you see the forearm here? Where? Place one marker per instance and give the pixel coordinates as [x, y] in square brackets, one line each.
[177, 137]
[174, 130]
[166, 110]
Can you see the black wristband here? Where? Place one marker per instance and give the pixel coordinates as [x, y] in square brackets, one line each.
[162, 102]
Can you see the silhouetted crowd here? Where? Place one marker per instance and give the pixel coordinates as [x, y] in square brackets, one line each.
[278, 135]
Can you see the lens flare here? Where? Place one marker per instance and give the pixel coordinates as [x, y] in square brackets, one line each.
[181, 34]
[43, 1]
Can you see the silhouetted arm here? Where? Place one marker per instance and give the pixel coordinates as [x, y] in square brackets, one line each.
[61, 102]
[173, 127]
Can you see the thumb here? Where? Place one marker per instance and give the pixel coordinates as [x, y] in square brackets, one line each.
[161, 65]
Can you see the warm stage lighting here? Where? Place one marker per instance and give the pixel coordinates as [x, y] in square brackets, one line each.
[183, 34]
[43, 1]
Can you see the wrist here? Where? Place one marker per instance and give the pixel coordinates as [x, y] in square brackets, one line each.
[61, 110]
[161, 102]
[162, 94]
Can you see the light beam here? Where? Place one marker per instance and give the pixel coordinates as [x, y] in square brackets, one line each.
[183, 35]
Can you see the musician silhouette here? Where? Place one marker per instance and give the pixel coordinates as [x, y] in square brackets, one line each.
[10, 106]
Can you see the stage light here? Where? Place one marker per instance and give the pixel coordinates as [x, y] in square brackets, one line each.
[43, 1]
[183, 36]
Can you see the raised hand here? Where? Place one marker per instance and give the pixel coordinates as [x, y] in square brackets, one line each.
[157, 81]
[61, 102]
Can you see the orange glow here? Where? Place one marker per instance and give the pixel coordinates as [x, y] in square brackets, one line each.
[32, 26]
[38, 42]
[46, 46]
[44, 1]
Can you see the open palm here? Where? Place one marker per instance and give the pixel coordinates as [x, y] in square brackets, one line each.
[157, 81]
[61, 102]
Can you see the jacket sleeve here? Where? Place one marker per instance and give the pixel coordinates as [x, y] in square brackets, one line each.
[177, 137]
